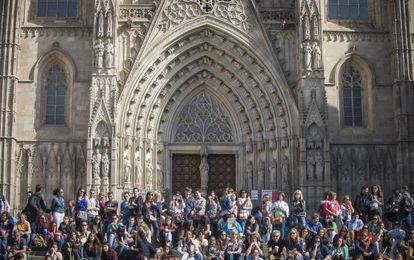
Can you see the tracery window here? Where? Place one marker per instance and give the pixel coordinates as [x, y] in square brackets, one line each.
[352, 97]
[348, 9]
[57, 8]
[55, 86]
[202, 120]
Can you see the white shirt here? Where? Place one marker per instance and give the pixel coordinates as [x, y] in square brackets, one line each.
[280, 204]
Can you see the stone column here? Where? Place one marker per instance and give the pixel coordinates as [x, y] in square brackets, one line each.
[403, 89]
[314, 169]
[9, 51]
[103, 94]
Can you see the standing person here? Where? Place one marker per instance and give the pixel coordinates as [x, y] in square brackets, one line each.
[298, 210]
[361, 203]
[93, 207]
[213, 209]
[189, 203]
[332, 208]
[346, 210]
[199, 207]
[244, 207]
[4, 204]
[151, 215]
[81, 207]
[58, 206]
[136, 203]
[111, 206]
[405, 203]
[376, 201]
[36, 205]
[391, 207]
[227, 204]
[280, 212]
[125, 209]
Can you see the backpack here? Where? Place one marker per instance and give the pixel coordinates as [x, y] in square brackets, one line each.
[278, 217]
[406, 205]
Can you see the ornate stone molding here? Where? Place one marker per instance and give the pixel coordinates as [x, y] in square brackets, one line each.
[284, 17]
[230, 11]
[136, 13]
[31, 32]
[337, 36]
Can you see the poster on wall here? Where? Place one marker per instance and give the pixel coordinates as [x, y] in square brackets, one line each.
[254, 195]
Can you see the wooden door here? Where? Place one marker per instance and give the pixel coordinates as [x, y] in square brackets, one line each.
[186, 172]
[222, 172]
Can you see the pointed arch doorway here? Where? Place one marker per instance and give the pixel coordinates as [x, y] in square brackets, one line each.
[203, 129]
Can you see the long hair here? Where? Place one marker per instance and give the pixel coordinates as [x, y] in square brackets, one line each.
[78, 194]
[296, 193]
[380, 193]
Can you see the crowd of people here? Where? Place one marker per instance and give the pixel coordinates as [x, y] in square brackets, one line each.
[217, 226]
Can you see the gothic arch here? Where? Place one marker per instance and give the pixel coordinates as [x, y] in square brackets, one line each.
[368, 82]
[39, 74]
[245, 78]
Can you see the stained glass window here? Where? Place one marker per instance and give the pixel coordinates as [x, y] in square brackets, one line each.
[352, 97]
[348, 9]
[202, 120]
[56, 82]
[57, 8]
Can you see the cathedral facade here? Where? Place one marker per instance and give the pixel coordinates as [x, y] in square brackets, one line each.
[265, 94]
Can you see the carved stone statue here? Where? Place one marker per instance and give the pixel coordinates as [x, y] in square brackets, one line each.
[138, 168]
[307, 56]
[285, 170]
[100, 32]
[127, 168]
[96, 163]
[316, 55]
[315, 25]
[310, 165]
[109, 24]
[306, 27]
[109, 54]
[99, 53]
[160, 176]
[105, 164]
[148, 173]
[272, 170]
[204, 169]
[319, 164]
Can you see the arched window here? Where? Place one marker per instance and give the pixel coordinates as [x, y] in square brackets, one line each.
[55, 88]
[351, 81]
[57, 8]
[348, 9]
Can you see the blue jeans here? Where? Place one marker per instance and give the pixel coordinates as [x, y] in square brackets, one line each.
[299, 221]
[111, 239]
[281, 228]
[155, 230]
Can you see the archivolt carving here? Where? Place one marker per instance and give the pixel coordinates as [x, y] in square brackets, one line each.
[178, 11]
[218, 48]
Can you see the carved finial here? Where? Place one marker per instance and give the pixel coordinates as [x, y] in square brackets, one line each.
[352, 49]
[56, 45]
